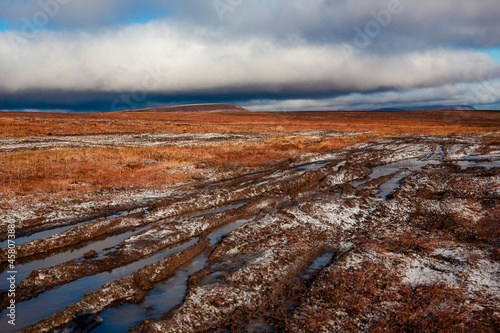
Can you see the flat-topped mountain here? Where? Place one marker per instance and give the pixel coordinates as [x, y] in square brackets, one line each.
[458, 108]
[194, 108]
[433, 108]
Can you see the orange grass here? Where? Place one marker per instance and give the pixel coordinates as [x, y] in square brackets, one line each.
[428, 122]
[77, 169]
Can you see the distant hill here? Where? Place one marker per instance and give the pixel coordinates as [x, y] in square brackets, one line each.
[433, 108]
[193, 108]
[458, 108]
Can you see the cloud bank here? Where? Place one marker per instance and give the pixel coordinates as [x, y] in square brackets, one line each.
[326, 54]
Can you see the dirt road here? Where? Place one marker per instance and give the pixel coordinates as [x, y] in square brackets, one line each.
[392, 233]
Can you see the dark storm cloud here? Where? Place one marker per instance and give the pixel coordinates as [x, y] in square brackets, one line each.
[107, 101]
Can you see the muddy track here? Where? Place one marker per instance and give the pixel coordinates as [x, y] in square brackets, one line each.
[131, 288]
[398, 206]
[132, 249]
[183, 202]
[142, 244]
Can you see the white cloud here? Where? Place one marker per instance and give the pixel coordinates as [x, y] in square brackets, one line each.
[306, 53]
[166, 58]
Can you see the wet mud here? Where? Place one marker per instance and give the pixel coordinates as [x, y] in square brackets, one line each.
[292, 248]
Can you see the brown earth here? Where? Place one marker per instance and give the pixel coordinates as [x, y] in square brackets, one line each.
[321, 248]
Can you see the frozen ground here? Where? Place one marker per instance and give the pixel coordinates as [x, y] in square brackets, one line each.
[397, 234]
[143, 140]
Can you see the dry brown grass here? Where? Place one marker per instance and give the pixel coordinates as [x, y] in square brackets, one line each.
[371, 298]
[488, 229]
[436, 308]
[86, 169]
[428, 122]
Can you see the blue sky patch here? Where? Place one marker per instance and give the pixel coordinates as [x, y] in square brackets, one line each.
[494, 53]
[3, 26]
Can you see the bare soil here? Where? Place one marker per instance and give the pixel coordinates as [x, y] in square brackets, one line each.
[389, 233]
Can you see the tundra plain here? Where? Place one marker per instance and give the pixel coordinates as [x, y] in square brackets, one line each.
[217, 219]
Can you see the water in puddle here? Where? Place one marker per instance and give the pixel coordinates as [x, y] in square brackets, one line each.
[356, 183]
[413, 164]
[387, 188]
[161, 299]
[312, 166]
[320, 262]
[337, 167]
[216, 235]
[51, 301]
[319, 165]
[212, 278]
[48, 233]
[482, 164]
[275, 172]
[217, 184]
[24, 270]
[165, 295]
[222, 209]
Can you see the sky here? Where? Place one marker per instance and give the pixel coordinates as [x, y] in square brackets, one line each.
[110, 55]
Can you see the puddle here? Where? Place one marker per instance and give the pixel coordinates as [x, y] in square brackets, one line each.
[387, 188]
[320, 262]
[482, 164]
[211, 279]
[264, 182]
[275, 172]
[220, 233]
[253, 178]
[337, 167]
[217, 184]
[312, 166]
[413, 164]
[54, 300]
[289, 178]
[213, 211]
[356, 183]
[318, 165]
[24, 270]
[51, 232]
[165, 295]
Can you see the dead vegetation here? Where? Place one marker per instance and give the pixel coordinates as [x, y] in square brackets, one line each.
[88, 169]
[424, 259]
[76, 170]
[421, 122]
[370, 297]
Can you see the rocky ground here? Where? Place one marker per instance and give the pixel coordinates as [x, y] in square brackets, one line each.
[395, 235]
